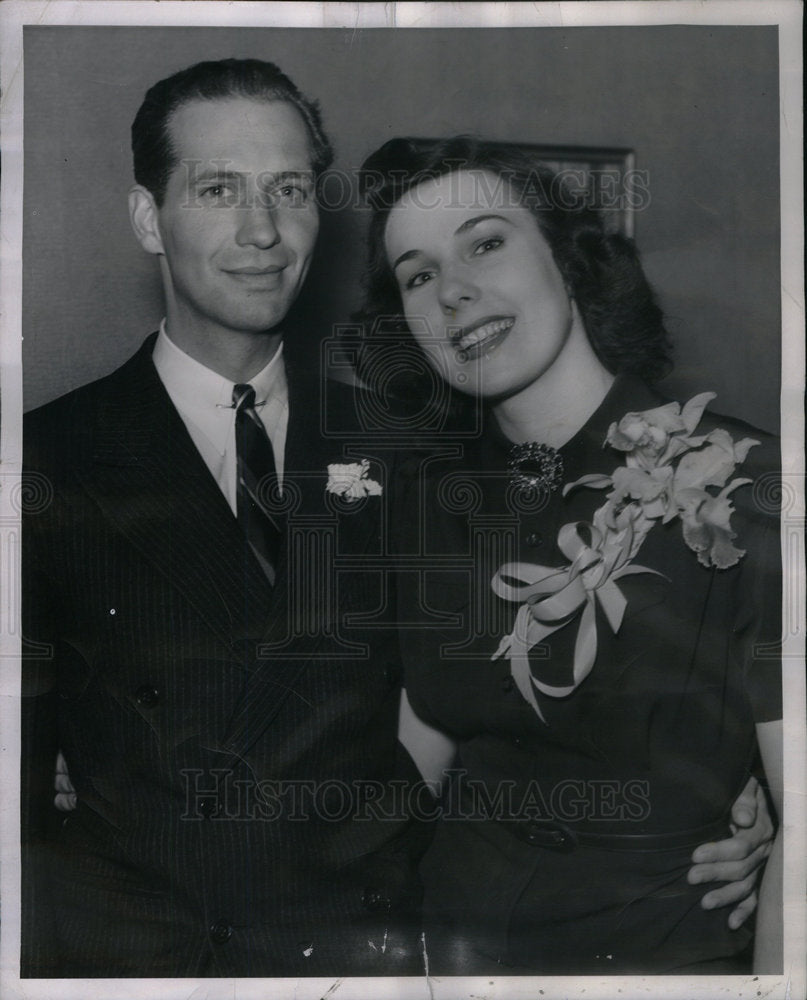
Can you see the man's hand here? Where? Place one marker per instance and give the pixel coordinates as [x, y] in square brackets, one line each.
[65, 798]
[736, 861]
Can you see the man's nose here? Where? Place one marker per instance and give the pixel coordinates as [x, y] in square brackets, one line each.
[258, 226]
[456, 288]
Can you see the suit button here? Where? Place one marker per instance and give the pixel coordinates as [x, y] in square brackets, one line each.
[147, 696]
[221, 932]
[245, 649]
[507, 684]
[207, 807]
[534, 539]
[375, 900]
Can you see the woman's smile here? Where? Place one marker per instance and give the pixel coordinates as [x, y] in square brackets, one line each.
[483, 337]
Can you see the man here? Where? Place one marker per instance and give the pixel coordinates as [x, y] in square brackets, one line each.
[204, 644]
[220, 723]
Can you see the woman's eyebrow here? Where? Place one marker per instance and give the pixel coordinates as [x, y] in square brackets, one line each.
[464, 228]
[406, 256]
[470, 223]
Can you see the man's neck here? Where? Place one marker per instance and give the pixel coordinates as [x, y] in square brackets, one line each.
[235, 356]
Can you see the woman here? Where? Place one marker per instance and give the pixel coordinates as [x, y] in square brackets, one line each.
[595, 684]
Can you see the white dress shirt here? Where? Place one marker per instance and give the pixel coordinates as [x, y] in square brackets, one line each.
[205, 403]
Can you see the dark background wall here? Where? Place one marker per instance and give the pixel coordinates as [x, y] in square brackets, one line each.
[698, 104]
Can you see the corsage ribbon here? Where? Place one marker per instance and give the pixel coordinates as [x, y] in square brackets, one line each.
[669, 472]
[550, 598]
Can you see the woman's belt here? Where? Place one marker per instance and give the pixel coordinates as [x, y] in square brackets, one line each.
[558, 836]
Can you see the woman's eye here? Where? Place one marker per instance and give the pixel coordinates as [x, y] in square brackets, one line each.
[486, 245]
[418, 279]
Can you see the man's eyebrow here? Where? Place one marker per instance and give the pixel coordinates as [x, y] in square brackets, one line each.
[289, 175]
[266, 177]
[217, 174]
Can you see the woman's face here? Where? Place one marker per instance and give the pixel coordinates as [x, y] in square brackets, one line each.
[481, 292]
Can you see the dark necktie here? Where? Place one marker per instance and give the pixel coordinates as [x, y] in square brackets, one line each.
[256, 473]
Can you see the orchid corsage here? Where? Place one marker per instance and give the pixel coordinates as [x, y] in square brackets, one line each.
[669, 472]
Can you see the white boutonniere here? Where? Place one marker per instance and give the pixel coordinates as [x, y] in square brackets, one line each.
[352, 481]
[669, 472]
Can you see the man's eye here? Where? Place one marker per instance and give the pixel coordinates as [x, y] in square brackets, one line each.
[292, 194]
[213, 191]
[486, 245]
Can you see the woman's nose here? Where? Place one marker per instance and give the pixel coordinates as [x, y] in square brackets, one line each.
[258, 227]
[457, 288]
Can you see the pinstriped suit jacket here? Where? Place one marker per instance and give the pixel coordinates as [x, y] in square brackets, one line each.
[230, 742]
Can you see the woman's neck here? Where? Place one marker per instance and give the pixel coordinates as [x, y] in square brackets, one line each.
[552, 409]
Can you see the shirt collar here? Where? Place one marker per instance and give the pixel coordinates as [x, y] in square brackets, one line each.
[206, 397]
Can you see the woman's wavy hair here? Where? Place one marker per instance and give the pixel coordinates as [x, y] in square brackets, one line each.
[601, 270]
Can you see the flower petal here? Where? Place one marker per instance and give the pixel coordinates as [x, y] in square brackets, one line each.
[693, 410]
[708, 466]
[594, 482]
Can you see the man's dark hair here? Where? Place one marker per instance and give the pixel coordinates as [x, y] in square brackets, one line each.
[602, 271]
[154, 157]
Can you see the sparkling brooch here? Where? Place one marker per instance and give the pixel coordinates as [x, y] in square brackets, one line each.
[534, 466]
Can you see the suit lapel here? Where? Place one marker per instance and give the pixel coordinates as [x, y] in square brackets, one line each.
[153, 486]
[309, 600]
[319, 432]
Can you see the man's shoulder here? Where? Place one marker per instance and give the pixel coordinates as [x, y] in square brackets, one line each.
[67, 420]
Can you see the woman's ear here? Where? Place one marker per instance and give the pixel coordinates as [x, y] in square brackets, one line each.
[143, 215]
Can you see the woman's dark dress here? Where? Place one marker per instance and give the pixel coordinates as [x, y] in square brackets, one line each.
[659, 739]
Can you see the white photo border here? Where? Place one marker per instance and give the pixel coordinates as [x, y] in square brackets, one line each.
[14, 14]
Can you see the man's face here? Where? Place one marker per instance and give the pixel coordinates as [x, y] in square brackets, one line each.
[239, 219]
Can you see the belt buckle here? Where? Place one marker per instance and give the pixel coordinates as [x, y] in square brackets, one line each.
[551, 834]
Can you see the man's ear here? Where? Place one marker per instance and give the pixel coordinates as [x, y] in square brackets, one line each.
[143, 216]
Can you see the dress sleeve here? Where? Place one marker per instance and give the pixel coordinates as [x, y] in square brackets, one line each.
[762, 588]
[409, 512]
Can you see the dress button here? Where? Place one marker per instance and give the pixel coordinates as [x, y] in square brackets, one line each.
[375, 900]
[221, 932]
[534, 539]
[147, 696]
[549, 836]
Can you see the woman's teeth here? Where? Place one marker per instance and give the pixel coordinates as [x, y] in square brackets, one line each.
[481, 334]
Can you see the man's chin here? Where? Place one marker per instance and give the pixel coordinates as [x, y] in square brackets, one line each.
[259, 324]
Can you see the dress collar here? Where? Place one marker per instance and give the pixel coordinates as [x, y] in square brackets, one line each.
[584, 452]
